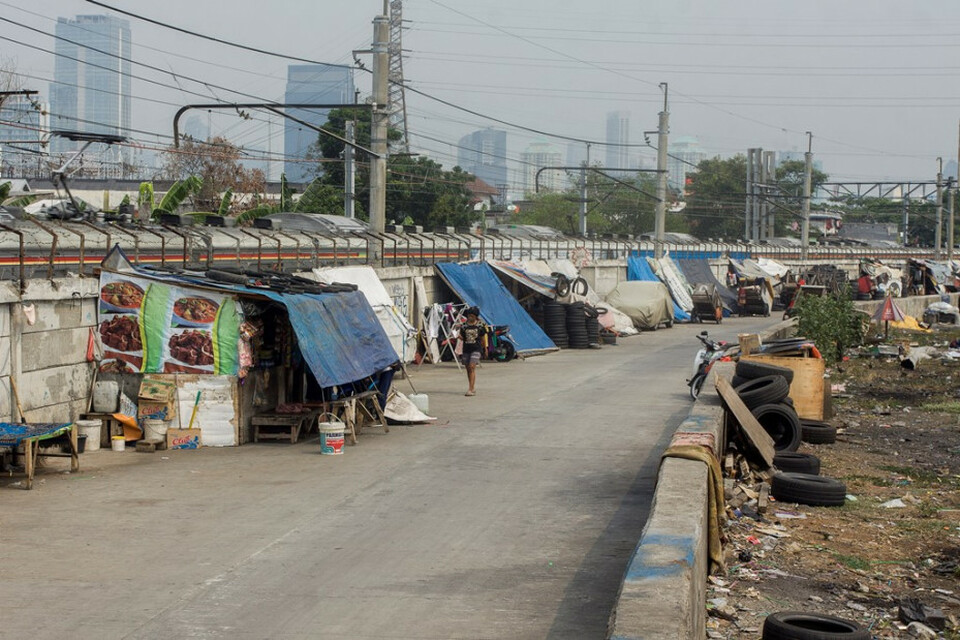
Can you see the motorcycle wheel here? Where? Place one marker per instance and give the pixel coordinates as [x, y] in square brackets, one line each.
[696, 384]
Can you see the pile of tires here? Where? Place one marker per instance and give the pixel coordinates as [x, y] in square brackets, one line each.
[593, 326]
[764, 389]
[577, 326]
[799, 625]
[555, 323]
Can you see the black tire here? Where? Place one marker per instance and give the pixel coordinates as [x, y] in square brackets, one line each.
[781, 423]
[752, 369]
[697, 384]
[798, 625]
[583, 289]
[789, 402]
[736, 381]
[816, 432]
[816, 491]
[563, 284]
[765, 390]
[793, 462]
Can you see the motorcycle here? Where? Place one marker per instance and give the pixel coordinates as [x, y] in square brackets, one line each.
[500, 348]
[710, 352]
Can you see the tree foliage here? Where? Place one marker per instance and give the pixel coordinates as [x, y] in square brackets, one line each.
[832, 322]
[715, 204]
[217, 163]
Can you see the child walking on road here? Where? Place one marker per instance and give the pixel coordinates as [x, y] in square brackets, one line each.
[472, 333]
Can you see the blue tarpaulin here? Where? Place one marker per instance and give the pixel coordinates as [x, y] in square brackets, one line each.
[639, 269]
[477, 285]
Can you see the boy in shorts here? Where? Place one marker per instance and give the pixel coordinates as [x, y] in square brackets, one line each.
[472, 333]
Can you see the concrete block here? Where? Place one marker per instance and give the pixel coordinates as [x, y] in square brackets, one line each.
[53, 348]
[5, 345]
[63, 314]
[5, 320]
[54, 386]
[664, 589]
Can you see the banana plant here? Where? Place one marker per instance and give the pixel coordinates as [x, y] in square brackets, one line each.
[18, 202]
[178, 193]
[225, 203]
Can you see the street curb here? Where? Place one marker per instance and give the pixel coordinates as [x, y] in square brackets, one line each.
[664, 587]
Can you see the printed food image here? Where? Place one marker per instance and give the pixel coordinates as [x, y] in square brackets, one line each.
[192, 347]
[122, 294]
[121, 333]
[200, 310]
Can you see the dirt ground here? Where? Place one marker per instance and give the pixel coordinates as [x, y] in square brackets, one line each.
[898, 440]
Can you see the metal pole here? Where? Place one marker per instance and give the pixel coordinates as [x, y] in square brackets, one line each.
[748, 201]
[380, 119]
[755, 159]
[950, 194]
[662, 174]
[807, 188]
[349, 175]
[938, 240]
[583, 193]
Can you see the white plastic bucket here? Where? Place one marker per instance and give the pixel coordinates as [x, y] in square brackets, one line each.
[91, 429]
[154, 429]
[331, 436]
[118, 443]
[421, 401]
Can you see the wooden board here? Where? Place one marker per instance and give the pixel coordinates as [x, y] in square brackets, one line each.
[807, 389]
[758, 438]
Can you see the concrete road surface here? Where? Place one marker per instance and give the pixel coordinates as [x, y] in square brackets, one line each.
[512, 516]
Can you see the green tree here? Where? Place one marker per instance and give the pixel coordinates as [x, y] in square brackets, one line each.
[715, 201]
[790, 177]
[831, 322]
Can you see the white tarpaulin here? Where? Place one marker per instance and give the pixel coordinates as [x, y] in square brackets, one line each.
[400, 409]
[671, 276]
[401, 333]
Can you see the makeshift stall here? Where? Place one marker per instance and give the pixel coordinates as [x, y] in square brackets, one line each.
[32, 437]
[698, 272]
[239, 348]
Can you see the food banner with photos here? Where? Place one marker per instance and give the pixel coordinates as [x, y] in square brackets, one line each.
[155, 327]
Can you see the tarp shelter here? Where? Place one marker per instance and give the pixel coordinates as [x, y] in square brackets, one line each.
[647, 302]
[639, 269]
[670, 275]
[698, 271]
[339, 335]
[401, 333]
[545, 285]
[477, 285]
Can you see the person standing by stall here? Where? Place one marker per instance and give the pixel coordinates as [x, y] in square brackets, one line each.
[472, 333]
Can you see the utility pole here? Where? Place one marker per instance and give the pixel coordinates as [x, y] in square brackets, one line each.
[349, 171]
[807, 192]
[937, 235]
[661, 210]
[583, 193]
[755, 225]
[950, 194]
[748, 209]
[379, 120]
[906, 221]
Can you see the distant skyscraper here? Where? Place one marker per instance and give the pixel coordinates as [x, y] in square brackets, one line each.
[577, 154]
[196, 128]
[618, 133]
[311, 83]
[534, 158]
[685, 155]
[484, 154]
[19, 158]
[91, 72]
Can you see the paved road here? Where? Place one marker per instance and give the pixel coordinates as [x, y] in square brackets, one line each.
[511, 517]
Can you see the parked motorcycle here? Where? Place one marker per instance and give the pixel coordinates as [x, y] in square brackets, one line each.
[500, 348]
[710, 352]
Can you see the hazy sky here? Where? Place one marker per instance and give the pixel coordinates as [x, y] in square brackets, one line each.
[875, 81]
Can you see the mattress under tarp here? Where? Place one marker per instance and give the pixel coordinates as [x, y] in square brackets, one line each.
[698, 271]
[639, 269]
[477, 285]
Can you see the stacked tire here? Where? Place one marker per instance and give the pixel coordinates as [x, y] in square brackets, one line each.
[576, 318]
[764, 389]
[593, 327]
[555, 323]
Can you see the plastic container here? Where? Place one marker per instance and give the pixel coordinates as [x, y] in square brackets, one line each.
[331, 436]
[154, 429]
[118, 443]
[421, 401]
[106, 396]
[90, 429]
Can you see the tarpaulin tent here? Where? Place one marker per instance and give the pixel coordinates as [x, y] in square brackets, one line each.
[698, 271]
[639, 269]
[545, 285]
[401, 333]
[647, 302]
[477, 285]
[339, 335]
[671, 276]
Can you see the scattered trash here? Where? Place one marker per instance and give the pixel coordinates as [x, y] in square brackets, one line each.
[896, 503]
[913, 610]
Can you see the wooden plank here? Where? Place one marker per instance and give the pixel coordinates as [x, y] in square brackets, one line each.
[757, 437]
[807, 389]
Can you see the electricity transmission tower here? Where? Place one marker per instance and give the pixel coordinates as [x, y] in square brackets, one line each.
[398, 103]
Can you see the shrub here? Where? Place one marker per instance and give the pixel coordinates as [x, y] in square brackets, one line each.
[831, 322]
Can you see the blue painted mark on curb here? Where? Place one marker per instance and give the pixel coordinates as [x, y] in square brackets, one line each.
[642, 570]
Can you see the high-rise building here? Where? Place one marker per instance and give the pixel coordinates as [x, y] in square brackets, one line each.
[20, 134]
[311, 84]
[685, 154]
[537, 156]
[484, 154]
[91, 89]
[577, 154]
[194, 127]
[618, 133]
